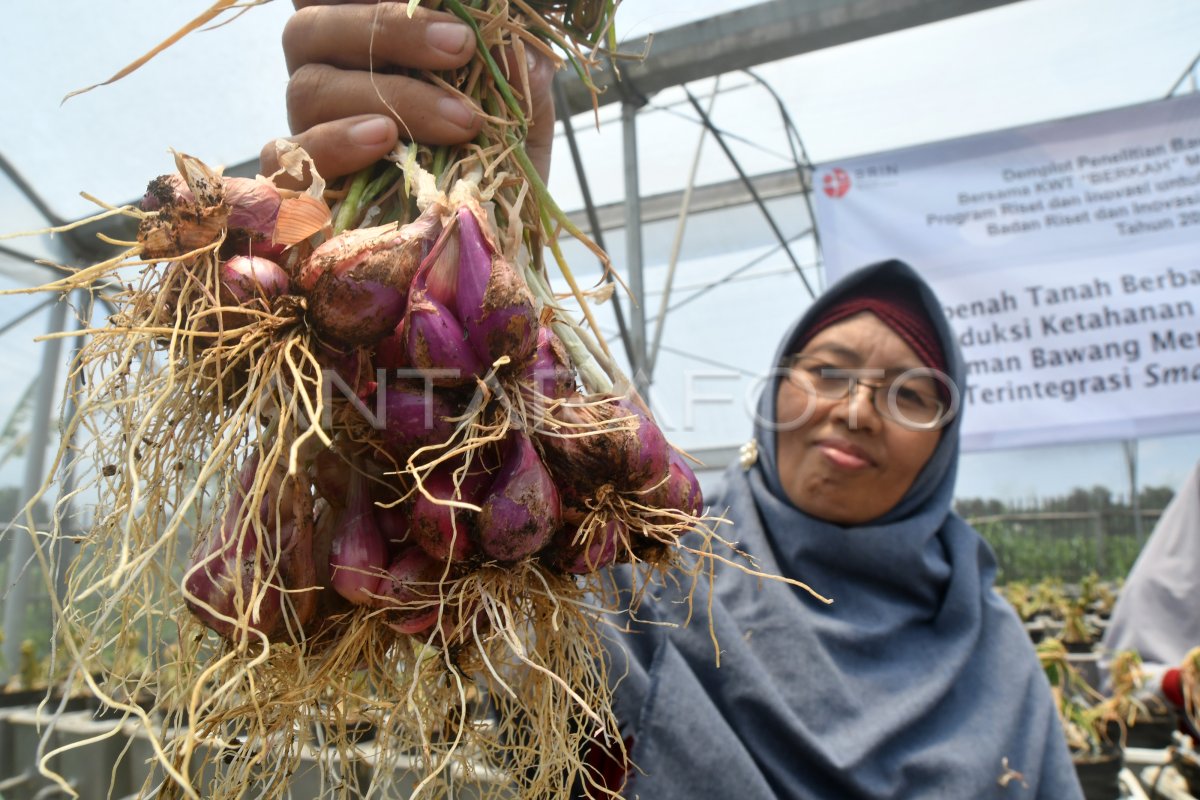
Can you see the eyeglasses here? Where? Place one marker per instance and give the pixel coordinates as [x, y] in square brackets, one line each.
[909, 399]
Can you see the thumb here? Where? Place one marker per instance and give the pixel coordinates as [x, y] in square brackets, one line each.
[340, 147]
[540, 141]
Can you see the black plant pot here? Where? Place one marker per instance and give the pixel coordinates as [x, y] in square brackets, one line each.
[1188, 765]
[1153, 732]
[32, 697]
[1098, 774]
[1079, 648]
[101, 711]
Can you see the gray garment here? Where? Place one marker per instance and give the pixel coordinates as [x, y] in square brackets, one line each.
[1158, 610]
[918, 682]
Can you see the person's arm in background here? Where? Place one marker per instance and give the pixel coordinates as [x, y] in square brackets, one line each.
[348, 109]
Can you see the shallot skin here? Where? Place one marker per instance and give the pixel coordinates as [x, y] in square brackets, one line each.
[415, 418]
[522, 508]
[223, 585]
[252, 282]
[410, 591]
[391, 352]
[247, 208]
[357, 283]
[225, 582]
[355, 311]
[678, 491]
[599, 550]
[613, 442]
[492, 302]
[358, 554]
[437, 343]
[444, 531]
[548, 372]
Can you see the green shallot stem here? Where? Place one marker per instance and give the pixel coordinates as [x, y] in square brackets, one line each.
[612, 29]
[457, 9]
[348, 210]
[594, 376]
[546, 203]
[379, 185]
[441, 155]
[584, 305]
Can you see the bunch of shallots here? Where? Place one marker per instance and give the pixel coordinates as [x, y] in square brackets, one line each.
[351, 460]
[456, 435]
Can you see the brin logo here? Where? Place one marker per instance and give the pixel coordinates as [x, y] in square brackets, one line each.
[836, 183]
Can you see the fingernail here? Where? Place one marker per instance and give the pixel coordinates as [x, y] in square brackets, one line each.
[532, 59]
[456, 112]
[449, 37]
[371, 132]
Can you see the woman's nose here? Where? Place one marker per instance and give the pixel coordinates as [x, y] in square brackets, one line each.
[858, 408]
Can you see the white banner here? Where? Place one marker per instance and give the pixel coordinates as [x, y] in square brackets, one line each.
[1067, 256]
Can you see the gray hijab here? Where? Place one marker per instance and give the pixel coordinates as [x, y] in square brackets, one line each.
[918, 681]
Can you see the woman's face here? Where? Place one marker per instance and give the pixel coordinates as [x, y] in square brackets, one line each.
[845, 463]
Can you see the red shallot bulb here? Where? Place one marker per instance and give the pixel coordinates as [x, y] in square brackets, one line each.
[600, 549]
[253, 207]
[522, 509]
[548, 372]
[358, 555]
[492, 302]
[444, 531]
[414, 418]
[391, 352]
[410, 591]
[437, 344]
[251, 282]
[613, 442]
[226, 591]
[357, 282]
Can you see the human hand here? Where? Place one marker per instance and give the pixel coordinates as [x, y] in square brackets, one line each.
[346, 106]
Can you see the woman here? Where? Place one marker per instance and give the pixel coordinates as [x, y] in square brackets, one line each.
[918, 681]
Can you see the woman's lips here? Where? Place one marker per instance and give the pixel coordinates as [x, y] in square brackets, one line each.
[844, 455]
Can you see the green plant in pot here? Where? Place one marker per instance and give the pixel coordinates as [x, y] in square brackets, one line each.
[1077, 633]
[1104, 601]
[1020, 597]
[1089, 588]
[1049, 598]
[1189, 674]
[1148, 720]
[1090, 722]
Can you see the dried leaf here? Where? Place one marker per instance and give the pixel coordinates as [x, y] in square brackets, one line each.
[207, 187]
[293, 162]
[203, 19]
[300, 217]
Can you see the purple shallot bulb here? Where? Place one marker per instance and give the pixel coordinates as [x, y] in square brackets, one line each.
[444, 531]
[410, 591]
[358, 555]
[492, 302]
[548, 371]
[522, 508]
[415, 418]
[251, 282]
[436, 341]
[358, 282]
